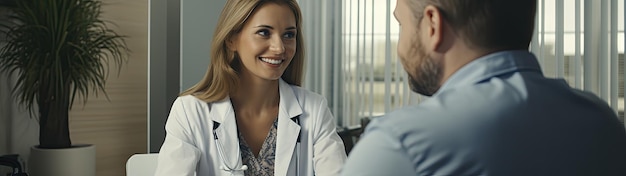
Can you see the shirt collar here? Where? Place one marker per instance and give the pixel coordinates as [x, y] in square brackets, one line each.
[492, 65]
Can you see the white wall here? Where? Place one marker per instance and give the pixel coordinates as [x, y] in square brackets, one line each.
[180, 37]
[18, 131]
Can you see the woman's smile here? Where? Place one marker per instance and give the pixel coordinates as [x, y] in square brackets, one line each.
[272, 61]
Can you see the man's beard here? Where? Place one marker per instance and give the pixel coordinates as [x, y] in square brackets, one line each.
[427, 75]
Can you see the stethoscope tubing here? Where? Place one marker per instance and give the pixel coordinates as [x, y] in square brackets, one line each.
[220, 152]
[225, 162]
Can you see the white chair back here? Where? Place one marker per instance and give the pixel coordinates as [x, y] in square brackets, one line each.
[142, 164]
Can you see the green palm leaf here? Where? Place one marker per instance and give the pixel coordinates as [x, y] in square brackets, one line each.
[58, 49]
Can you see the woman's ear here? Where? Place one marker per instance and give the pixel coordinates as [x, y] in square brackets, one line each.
[231, 43]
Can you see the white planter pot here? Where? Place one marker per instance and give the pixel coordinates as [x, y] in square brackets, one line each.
[80, 160]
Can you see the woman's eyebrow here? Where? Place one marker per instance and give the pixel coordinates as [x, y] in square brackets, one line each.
[270, 27]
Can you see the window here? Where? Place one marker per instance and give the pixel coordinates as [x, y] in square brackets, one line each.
[562, 39]
[353, 44]
[374, 80]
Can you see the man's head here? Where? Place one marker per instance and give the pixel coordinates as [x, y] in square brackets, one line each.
[437, 35]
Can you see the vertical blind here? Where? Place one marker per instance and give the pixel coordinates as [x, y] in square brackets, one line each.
[352, 60]
[374, 78]
[582, 41]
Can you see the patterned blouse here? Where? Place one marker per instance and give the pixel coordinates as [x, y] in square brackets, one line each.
[264, 164]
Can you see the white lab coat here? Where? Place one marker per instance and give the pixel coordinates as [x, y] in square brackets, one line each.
[190, 148]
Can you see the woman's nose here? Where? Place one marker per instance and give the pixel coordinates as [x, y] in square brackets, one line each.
[277, 46]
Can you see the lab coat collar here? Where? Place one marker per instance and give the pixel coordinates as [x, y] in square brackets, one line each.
[287, 132]
[288, 129]
[222, 112]
[288, 105]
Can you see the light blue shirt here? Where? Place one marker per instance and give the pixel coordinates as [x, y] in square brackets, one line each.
[498, 115]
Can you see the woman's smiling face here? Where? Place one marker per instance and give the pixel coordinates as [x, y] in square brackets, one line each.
[267, 42]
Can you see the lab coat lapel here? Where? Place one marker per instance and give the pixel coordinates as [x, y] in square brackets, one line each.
[288, 130]
[223, 113]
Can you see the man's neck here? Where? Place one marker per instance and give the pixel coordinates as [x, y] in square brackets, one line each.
[459, 56]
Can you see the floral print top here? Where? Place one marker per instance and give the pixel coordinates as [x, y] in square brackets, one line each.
[264, 164]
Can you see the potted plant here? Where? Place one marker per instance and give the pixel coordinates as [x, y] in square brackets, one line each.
[59, 50]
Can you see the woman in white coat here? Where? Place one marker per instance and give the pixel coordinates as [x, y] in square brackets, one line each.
[248, 115]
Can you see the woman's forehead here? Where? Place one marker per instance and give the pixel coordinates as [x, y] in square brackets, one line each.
[273, 15]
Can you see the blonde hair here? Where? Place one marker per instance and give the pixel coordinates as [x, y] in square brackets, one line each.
[222, 78]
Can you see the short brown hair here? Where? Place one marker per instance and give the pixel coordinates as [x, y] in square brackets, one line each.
[487, 24]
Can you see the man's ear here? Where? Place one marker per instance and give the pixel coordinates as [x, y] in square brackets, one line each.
[433, 27]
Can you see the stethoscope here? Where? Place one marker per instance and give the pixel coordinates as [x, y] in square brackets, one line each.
[225, 166]
[225, 163]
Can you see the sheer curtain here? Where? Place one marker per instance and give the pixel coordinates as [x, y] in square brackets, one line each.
[352, 61]
[323, 37]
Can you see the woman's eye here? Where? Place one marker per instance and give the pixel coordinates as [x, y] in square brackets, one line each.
[263, 32]
[289, 35]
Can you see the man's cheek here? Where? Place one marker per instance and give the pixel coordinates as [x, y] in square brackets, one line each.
[400, 48]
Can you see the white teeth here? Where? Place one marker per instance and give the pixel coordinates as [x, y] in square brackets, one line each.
[272, 61]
